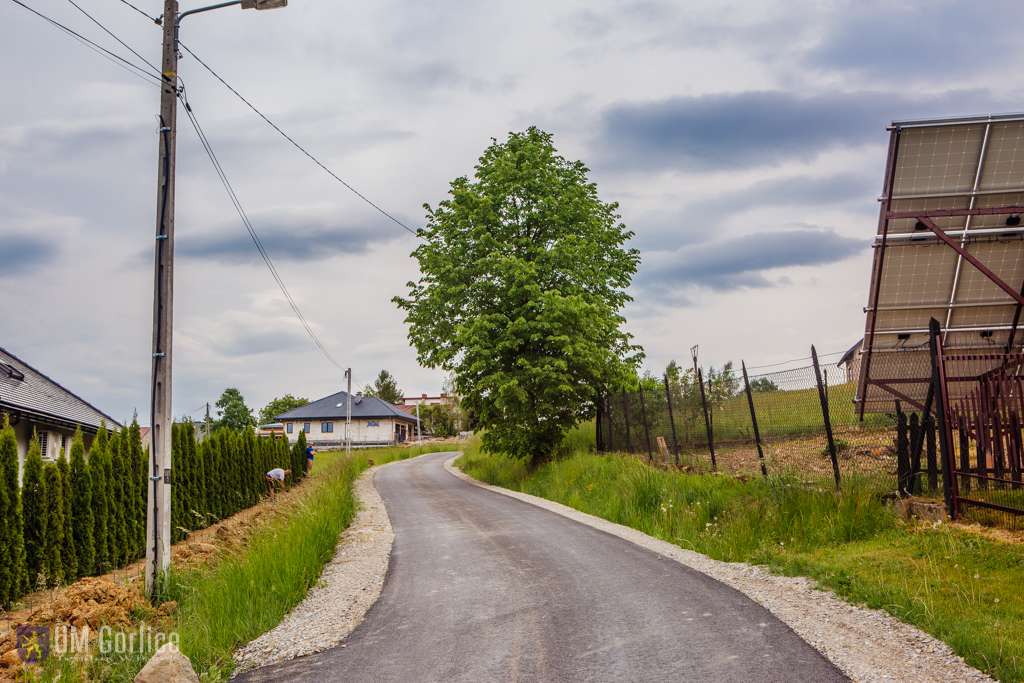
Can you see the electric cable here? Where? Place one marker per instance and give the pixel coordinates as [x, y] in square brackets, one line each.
[108, 32]
[252, 231]
[117, 59]
[153, 19]
[297, 145]
[795, 360]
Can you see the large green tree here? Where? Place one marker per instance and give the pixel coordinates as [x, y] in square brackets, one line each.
[34, 501]
[524, 272]
[68, 550]
[233, 412]
[280, 405]
[385, 387]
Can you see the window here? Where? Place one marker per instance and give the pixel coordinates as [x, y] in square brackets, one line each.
[305, 427]
[326, 427]
[44, 437]
[373, 423]
[289, 427]
[64, 443]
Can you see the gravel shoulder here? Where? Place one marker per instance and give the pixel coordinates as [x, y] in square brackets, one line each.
[866, 645]
[350, 584]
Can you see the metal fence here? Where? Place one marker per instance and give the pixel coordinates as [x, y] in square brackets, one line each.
[801, 422]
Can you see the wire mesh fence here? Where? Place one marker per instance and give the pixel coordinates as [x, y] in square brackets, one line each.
[780, 423]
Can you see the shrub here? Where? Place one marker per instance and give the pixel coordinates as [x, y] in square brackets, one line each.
[68, 550]
[34, 501]
[53, 562]
[82, 521]
[13, 577]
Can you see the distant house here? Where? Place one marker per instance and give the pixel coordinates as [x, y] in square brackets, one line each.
[33, 401]
[271, 429]
[851, 361]
[375, 422]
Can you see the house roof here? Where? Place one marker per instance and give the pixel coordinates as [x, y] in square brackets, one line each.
[848, 356]
[39, 398]
[333, 407]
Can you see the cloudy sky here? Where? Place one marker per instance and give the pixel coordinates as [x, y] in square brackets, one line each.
[744, 142]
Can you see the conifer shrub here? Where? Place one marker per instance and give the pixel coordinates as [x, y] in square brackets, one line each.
[82, 521]
[100, 500]
[34, 506]
[52, 565]
[13, 576]
[68, 550]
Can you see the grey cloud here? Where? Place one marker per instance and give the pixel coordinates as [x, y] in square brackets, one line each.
[918, 39]
[740, 262]
[19, 253]
[700, 220]
[756, 128]
[285, 240]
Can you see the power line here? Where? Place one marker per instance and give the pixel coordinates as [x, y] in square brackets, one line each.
[297, 145]
[107, 31]
[153, 19]
[117, 59]
[795, 360]
[252, 231]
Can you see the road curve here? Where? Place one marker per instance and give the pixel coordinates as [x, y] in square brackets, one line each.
[483, 587]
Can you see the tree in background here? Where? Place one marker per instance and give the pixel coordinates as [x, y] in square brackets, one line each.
[438, 419]
[763, 385]
[100, 498]
[53, 562]
[13, 576]
[82, 522]
[34, 502]
[279, 406]
[385, 387]
[233, 412]
[68, 551]
[524, 277]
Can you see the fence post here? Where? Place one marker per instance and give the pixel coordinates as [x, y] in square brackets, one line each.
[949, 484]
[825, 416]
[916, 427]
[965, 451]
[753, 419]
[625, 415]
[672, 420]
[643, 414]
[902, 452]
[608, 412]
[933, 462]
[707, 420]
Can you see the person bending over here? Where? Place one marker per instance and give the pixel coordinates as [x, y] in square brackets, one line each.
[273, 476]
[309, 460]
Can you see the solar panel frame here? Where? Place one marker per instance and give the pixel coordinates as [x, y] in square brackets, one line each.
[943, 250]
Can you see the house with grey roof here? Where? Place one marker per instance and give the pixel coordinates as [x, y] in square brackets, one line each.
[33, 401]
[375, 422]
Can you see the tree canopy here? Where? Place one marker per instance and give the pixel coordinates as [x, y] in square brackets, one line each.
[385, 387]
[280, 405]
[524, 273]
[233, 412]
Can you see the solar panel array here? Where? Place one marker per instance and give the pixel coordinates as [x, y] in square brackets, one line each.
[965, 177]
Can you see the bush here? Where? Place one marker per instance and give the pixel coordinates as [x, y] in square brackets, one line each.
[34, 500]
[82, 521]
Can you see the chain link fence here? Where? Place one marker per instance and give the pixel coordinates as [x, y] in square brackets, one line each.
[778, 423]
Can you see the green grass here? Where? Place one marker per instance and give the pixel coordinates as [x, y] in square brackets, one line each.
[850, 542]
[224, 606]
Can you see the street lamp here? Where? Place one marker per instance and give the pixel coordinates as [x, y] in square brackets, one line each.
[158, 515]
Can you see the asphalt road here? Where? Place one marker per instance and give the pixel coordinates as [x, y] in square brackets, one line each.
[483, 587]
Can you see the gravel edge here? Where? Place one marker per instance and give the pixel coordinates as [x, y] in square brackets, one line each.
[351, 582]
[866, 645]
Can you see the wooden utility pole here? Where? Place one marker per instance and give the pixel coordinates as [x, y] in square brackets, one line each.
[207, 420]
[348, 414]
[158, 516]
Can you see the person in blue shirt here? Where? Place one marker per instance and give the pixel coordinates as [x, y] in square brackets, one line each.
[309, 459]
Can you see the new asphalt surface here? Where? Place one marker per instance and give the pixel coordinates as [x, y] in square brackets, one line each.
[483, 587]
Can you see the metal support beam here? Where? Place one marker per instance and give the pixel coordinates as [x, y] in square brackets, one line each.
[1017, 296]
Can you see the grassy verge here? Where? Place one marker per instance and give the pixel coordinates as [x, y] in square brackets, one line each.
[225, 605]
[961, 587]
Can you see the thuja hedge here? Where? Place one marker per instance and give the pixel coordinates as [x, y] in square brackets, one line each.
[86, 515]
